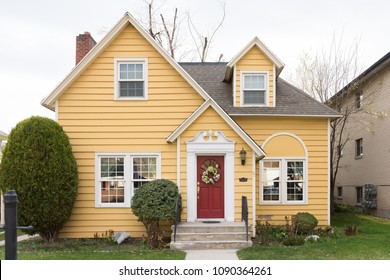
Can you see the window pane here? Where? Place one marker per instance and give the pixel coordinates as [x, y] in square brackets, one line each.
[254, 97]
[271, 180]
[112, 191]
[131, 89]
[254, 82]
[131, 71]
[295, 170]
[112, 168]
[294, 191]
[144, 168]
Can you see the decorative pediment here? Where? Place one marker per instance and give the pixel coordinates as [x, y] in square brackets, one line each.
[210, 137]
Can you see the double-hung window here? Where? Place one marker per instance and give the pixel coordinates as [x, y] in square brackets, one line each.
[118, 176]
[283, 181]
[254, 88]
[131, 79]
[144, 170]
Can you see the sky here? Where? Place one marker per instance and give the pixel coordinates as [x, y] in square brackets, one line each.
[37, 38]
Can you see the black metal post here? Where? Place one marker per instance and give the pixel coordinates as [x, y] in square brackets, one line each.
[11, 223]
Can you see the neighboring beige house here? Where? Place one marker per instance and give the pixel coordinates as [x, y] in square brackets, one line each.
[364, 174]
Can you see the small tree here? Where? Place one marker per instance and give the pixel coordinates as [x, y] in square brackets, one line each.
[39, 165]
[152, 203]
[323, 76]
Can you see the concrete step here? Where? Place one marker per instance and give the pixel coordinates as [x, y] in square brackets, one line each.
[209, 245]
[215, 236]
[199, 227]
[203, 236]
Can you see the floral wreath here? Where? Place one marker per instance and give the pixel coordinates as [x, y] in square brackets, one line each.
[210, 175]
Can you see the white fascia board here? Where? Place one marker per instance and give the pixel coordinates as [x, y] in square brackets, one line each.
[287, 115]
[87, 60]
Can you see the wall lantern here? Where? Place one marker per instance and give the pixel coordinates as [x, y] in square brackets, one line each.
[243, 156]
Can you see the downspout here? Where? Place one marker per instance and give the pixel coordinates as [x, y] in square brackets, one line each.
[253, 194]
[178, 162]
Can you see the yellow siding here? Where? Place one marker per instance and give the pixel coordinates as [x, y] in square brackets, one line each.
[313, 132]
[211, 120]
[284, 146]
[95, 122]
[254, 59]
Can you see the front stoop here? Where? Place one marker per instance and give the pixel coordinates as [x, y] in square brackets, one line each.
[198, 235]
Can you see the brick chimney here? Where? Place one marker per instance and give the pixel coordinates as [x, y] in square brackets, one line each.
[84, 43]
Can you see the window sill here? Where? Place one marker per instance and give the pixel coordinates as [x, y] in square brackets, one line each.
[278, 203]
[359, 157]
[131, 99]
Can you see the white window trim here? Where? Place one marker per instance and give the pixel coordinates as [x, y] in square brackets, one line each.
[266, 94]
[128, 177]
[283, 181]
[119, 60]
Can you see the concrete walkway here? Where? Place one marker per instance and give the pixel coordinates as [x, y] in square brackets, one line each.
[20, 238]
[211, 255]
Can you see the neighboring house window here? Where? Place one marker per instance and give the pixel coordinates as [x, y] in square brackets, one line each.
[340, 151]
[283, 181]
[339, 192]
[359, 148]
[359, 99]
[254, 88]
[131, 79]
[118, 176]
[359, 195]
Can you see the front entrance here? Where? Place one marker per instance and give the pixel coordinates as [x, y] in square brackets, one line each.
[210, 186]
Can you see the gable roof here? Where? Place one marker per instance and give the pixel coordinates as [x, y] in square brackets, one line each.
[209, 103]
[50, 100]
[262, 47]
[291, 100]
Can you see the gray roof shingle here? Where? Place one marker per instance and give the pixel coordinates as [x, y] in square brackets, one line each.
[289, 99]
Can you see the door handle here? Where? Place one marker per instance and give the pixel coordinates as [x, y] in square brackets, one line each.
[198, 190]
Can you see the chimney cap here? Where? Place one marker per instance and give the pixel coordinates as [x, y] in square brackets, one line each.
[87, 33]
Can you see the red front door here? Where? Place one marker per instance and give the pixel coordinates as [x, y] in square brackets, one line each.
[210, 175]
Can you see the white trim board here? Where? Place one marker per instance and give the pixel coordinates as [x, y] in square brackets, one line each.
[221, 146]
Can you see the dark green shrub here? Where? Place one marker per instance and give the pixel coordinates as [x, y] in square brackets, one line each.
[304, 222]
[39, 165]
[294, 240]
[152, 203]
[341, 208]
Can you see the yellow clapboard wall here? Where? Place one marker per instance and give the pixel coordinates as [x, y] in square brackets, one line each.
[95, 122]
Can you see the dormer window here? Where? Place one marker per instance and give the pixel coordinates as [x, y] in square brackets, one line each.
[131, 79]
[254, 88]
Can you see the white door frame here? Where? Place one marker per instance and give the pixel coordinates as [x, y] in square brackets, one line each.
[208, 143]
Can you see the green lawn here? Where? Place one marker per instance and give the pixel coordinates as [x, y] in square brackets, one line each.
[371, 243]
[90, 249]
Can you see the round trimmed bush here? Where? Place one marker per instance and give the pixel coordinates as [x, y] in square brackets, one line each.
[39, 165]
[304, 222]
[155, 202]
